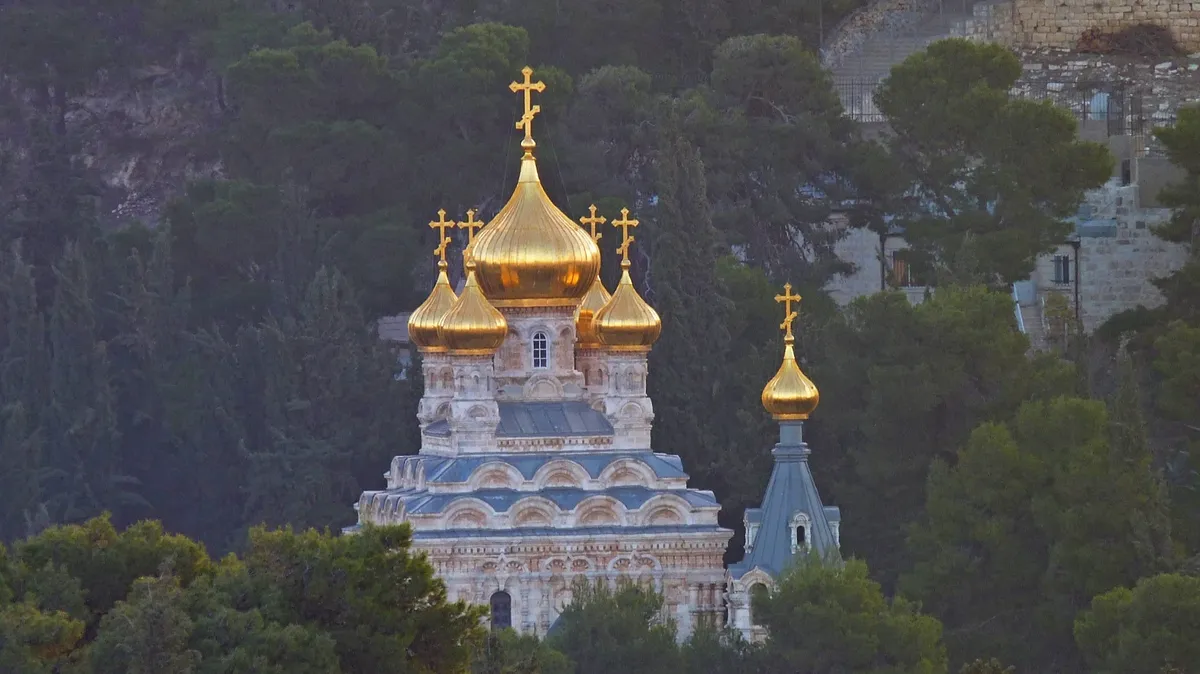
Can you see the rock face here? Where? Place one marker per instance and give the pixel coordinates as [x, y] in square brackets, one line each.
[143, 137]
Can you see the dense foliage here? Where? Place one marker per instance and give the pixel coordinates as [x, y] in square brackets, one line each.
[88, 599]
[220, 369]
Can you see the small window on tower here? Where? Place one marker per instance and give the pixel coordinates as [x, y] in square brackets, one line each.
[801, 538]
[541, 350]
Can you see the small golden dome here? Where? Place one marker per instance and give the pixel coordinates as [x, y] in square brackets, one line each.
[423, 323]
[531, 253]
[472, 326]
[595, 299]
[626, 322]
[789, 396]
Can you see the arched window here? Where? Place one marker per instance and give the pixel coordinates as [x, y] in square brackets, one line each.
[541, 350]
[501, 610]
[758, 594]
[799, 532]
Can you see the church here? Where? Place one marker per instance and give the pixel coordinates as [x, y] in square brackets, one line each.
[536, 467]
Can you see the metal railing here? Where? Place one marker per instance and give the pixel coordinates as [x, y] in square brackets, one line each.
[1017, 310]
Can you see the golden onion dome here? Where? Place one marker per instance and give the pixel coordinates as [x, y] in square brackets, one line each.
[423, 323]
[626, 322]
[531, 253]
[472, 326]
[595, 299]
[790, 395]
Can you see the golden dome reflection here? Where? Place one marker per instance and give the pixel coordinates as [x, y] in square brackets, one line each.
[626, 322]
[472, 326]
[585, 326]
[790, 395]
[424, 322]
[531, 253]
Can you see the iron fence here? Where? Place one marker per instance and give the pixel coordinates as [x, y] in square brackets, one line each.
[1119, 106]
[858, 98]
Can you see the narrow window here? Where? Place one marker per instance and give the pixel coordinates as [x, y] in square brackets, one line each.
[541, 350]
[902, 272]
[1062, 268]
[501, 610]
[801, 538]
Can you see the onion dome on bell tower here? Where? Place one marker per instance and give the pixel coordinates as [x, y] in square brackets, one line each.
[531, 253]
[597, 295]
[626, 322]
[472, 326]
[790, 395]
[423, 323]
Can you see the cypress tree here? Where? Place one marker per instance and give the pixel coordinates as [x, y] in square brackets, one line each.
[684, 288]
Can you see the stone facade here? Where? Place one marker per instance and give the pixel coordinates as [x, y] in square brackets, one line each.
[1060, 23]
[535, 471]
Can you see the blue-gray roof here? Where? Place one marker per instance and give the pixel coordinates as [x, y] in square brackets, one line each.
[566, 498]
[523, 532]
[459, 469]
[574, 531]
[541, 420]
[790, 490]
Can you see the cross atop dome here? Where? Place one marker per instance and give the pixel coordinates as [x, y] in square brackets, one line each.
[526, 122]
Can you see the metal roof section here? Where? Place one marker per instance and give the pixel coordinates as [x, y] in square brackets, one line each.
[551, 419]
[790, 492]
[458, 470]
[566, 419]
[574, 532]
[421, 502]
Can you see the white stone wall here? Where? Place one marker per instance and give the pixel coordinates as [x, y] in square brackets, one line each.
[516, 377]
[539, 573]
[1116, 273]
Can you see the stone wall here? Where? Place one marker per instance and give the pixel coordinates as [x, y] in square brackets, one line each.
[1085, 84]
[1060, 23]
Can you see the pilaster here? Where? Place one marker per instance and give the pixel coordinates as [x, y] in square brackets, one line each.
[626, 404]
[474, 414]
[439, 387]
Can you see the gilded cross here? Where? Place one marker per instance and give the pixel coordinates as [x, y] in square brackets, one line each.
[470, 224]
[441, 224]
[592, 220]
[787, 298]
[625, 223]
[528, 87]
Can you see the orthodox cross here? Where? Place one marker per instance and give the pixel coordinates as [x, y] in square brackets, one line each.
[592, 220]
[625, 223]
[470, 224]
[787, 298]
[441, 224]
[528, 87]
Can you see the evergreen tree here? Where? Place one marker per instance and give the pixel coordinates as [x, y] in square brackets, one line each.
[993, 177]
[23, 391]
[684, 289]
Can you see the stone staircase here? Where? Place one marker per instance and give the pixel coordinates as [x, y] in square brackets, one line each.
[899, 30]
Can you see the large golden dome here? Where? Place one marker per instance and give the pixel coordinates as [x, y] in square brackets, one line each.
[472, 326]
[595, 299]
[531, 253]
[790, 396]
[423, 324]
[626, 322]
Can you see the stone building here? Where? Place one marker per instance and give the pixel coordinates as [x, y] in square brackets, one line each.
[536, 467]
